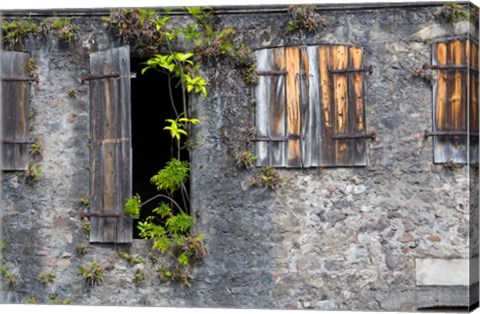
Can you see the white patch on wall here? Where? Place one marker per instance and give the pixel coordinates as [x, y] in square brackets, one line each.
[446, 272]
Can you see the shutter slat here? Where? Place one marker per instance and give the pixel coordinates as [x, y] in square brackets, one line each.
[327, 145]
[293, 106]
[440, 103]
[277, 109]
[474, 103]
[15, 111]
[356, 112]
[262, 96]
[313, 133]
[340, 87]
[305, 136]
[111, 145]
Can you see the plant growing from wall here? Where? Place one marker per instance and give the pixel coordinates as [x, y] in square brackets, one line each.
[304, 18]
[31, 300]
[62, 27]
[92, 274]
[132, 261]
[14, 32]
[139, 277]
[245, 159]
[33, 172]
[455, 12]
[46, 278]
[56, 299]
[81, 249]
[268, 178]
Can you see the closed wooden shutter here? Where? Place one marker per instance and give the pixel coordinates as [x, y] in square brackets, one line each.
[473, 114]
[450, 101]
[111, 171]
[310, 107]
[15, 110]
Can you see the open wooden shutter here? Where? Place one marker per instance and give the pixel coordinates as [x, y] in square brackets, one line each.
[111, 178]
[15, 110]
[450, 101]
[310, 107]
[473, 114]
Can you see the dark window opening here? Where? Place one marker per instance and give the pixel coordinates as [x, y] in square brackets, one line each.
[152, 147]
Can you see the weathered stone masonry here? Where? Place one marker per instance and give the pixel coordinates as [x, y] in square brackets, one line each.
[360, 238]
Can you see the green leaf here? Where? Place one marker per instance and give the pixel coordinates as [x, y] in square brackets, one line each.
[171, 177]
[183, 259]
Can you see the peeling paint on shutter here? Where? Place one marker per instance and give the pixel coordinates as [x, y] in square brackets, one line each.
[111, 182]
[15, 110]
[473, 114]
[450, 99]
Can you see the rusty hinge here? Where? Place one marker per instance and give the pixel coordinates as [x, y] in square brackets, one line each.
[449, 133]
[105, 214]
[20, 79]
[87, 77]
[368, 69]
[271, 73]
[450, 67]
[16, 142]
[265, 73]
[371, 135]
[276, 138]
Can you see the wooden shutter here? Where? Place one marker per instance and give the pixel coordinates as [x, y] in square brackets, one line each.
[450, 101]
[474, 114]
[348, 114]
[15, 110]
[111, 177]
[310, 107]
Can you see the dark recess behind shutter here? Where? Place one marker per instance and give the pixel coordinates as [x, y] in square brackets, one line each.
[15, 110]
[111, 182]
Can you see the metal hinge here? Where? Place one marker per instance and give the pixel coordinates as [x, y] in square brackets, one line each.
[450, 67]
[265, 73]
[368, 69]
[276, 138]
[87, 77]
[105, 214]
[20, 79]
[371, 135]
[449, 133]
[16, 142]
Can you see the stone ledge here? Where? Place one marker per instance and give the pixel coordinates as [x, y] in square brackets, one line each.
[446, 272]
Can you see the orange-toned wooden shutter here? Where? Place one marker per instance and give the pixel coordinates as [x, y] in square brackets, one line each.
[450, 96]
[473, 113]
[111, 172]
[15, 110]
[310, 107]
[347, 117]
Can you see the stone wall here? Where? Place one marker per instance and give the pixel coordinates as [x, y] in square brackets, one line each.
[328, 239]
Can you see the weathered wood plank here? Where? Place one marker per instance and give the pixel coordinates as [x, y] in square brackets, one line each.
[277, 108]
[458, 100]
[111, 158]
[262, 96]
[356, 114]
[305, 136]
[314, 106]
[293, 106]
[473, 115]
[15, 111]
[440, 102]
[326, 144]
[340, 94]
